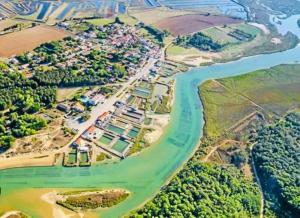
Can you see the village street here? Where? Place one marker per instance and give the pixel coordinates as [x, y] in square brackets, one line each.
[108, 105]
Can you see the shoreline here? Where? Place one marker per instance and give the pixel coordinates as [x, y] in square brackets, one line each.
[28, 160]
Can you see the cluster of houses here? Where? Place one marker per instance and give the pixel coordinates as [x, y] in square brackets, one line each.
[121, 44]
[113, 133]
[120, 39]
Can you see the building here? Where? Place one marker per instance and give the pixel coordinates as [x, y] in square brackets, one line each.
[63, 107]
[96, 99]
[91, 133]
[103, 119]
[78, 107]
[78, 142]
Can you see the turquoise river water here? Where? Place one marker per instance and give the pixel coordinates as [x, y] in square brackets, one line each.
[143, 175]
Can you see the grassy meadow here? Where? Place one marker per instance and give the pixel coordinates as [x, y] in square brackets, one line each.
[271, 91]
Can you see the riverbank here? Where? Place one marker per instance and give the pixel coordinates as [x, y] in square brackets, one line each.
[145, 174]
[28, 160]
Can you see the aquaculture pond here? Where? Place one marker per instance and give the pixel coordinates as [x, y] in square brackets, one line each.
[115, 129]
[106, 139]
[133, 132]
[45, 6]
[120, 145]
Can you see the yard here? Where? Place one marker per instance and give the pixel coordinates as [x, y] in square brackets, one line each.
[66, 93]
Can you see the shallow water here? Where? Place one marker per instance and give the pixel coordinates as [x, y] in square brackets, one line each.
[285, 25]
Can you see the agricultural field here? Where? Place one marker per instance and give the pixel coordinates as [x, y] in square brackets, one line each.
[26, 40]
[10, 22]
[154, 15]
[187, 24]
[229, 42]
[272, 91]
[101, 21]
[223, 36]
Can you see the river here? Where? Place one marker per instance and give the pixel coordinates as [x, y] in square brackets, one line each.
[142, 175]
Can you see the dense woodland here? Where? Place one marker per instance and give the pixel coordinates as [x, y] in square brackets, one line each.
[20, 99]
[204, 190]
[277, 158]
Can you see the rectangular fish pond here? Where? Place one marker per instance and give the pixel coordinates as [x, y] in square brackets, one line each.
[84, 157]
[133, 132]
[120, 145]
[141, 92]
[72, 159]
[115, 129]
[106, 139]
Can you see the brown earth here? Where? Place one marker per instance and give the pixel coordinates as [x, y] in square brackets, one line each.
[191, 23]
[26, 40]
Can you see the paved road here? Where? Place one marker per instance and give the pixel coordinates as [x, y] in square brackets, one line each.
[108, 105]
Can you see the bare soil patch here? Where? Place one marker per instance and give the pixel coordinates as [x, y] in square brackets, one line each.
[28, 39]
[187, 24]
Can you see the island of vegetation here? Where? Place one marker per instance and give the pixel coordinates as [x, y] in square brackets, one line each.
[91, 199]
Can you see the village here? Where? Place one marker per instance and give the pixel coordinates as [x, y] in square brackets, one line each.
[124, 86]
[121, 131]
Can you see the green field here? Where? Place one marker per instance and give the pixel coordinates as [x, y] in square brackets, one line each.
[177, 50]
[101, 21]
[226, 101]
[221, 34]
